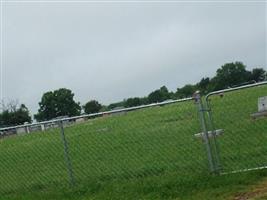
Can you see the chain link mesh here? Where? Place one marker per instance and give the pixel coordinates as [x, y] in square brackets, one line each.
[243, 145]
[122, 145]
[136, 143]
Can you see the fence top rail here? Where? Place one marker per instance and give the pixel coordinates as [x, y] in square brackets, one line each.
[98, 114]
[235, 88]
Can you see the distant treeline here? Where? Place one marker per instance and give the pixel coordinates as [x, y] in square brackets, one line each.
[229, 75]
[61, 102]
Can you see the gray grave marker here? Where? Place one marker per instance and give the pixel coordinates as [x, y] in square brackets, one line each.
[262, 104]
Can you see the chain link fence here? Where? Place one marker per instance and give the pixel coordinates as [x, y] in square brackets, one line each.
[126, 144]
[224, 132]
[241, 114]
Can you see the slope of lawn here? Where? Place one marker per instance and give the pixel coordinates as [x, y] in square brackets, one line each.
[244, 143]
[144, 154]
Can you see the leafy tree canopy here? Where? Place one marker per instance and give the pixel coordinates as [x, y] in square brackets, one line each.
[258, 74]
[92, 106]
[57, 103]
[186, 91]
[159, 95]
[131, 102]
[204, 85]
[115, 105]
[231, 74]
[13, 115]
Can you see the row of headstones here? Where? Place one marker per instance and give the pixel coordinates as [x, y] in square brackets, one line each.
[28, 128]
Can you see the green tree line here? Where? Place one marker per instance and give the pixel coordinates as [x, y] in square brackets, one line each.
[229, 75]
[61, 102]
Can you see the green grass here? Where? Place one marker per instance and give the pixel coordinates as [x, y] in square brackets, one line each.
[244, 142]
[145, 154]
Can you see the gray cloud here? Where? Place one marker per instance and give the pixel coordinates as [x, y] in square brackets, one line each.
[111, 51]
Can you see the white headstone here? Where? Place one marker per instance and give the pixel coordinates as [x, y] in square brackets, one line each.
[42, 127]
[21, 130]
[262, 104]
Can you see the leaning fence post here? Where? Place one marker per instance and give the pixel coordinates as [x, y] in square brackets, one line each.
[66, 154]
[202, 119]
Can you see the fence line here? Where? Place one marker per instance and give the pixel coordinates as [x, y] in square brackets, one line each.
[180, 140]
[235, 88]
[138, 144]
[97, 114]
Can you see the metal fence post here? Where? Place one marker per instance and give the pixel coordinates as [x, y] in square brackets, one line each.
[66, 154]
[218, 165]
[204, 130]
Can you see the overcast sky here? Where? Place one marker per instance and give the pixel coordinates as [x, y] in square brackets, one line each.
[112, 51]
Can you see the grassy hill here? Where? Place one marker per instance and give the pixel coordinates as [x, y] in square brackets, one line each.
[145, 154]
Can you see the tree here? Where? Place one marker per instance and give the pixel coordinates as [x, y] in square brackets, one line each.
[57, 103]
[186, 91]
[131, 102]
[115, 105]
[92, 107]
[13, 115]
[258, 74]
[21, 115]
[231, 74]
[204, 85]
[159, 95]
[144, 100]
